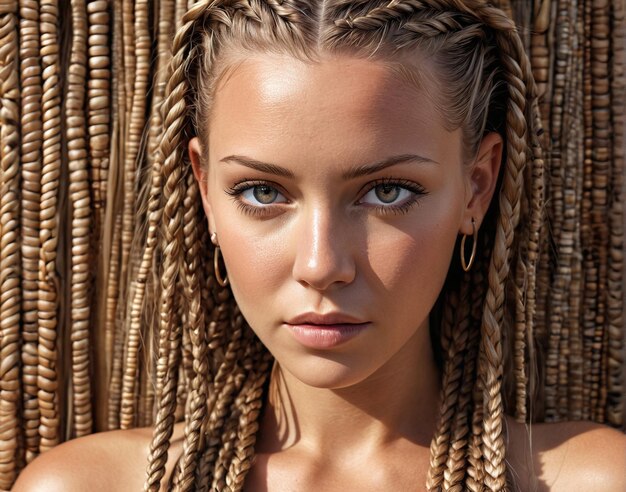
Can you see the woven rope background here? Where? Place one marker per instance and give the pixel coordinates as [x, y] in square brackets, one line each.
[80, 81]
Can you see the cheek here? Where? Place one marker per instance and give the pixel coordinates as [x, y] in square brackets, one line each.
[411, 263]
[256, 268]
[413, 259]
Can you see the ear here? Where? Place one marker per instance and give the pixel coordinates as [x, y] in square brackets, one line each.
[483, 177]
[201, 175]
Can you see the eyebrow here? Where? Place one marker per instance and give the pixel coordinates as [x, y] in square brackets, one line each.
[355, 172]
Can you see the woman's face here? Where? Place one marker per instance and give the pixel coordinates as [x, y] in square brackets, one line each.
[321, 225]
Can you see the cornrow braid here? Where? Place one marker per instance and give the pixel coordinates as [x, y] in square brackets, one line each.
[381, 16]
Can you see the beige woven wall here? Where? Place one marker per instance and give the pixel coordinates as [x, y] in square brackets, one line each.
[80, 81]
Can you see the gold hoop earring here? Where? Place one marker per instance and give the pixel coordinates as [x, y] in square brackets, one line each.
[222, 281]
[465, 265]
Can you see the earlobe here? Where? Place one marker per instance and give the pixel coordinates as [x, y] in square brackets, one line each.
[483, 180]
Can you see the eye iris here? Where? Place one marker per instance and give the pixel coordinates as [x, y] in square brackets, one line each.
[387, 192]
[264, 194]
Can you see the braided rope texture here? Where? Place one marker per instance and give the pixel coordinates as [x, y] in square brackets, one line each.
[110, 315]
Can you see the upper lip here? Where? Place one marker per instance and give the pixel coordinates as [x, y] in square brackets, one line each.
[324, 319]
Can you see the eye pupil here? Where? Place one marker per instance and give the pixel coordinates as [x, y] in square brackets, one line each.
[264, 194]
[389, 192]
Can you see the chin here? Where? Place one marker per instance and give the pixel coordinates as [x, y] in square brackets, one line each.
[328, 371]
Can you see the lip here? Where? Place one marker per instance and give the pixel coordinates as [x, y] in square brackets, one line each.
[324, 331]
[334, 318]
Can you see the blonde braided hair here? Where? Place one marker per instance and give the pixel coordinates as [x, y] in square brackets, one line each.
[476, 49]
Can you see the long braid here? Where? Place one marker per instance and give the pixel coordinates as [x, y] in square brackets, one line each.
[452, 345]
[202, 469]
[222, 422]
[454, 471]
[235, 457]
[475, 468]
[198, 336]
[166, 202]
[169, 359]
[223, 419]
[525, 279]
[170, 329]
[169, 324]
[174, 112]
[460, 459]
[251, 402]
[490, 360]
[218, 393]
[521, 87]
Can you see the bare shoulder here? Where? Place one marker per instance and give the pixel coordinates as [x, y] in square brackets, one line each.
[113, 460]
[567, 456]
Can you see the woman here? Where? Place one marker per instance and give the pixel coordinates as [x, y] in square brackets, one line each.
[371, 174]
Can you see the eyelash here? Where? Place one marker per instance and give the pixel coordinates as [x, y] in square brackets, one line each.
[245, 184]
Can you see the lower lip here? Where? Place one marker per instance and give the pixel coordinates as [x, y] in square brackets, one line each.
[325, 336]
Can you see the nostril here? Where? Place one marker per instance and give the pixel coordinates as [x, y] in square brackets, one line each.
[321, 271]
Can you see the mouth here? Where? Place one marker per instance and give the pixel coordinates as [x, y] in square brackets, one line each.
[330, 318]
[325, 336]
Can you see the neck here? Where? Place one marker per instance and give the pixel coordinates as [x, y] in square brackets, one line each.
[398, 402]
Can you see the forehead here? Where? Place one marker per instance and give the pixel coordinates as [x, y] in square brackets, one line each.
[339, 106]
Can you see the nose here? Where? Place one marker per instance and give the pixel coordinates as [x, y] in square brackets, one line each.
[323, 252]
